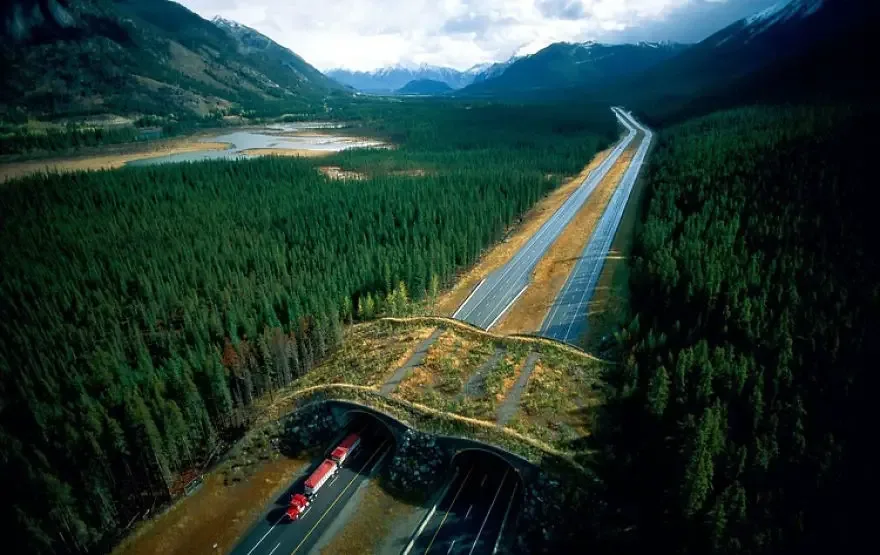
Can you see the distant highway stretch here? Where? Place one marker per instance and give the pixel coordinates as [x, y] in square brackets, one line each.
[473, 513]
[567, 318]
[496, 294]
[274, 534]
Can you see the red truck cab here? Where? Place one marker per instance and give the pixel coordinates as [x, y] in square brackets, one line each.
[345, 448]
[299, 504]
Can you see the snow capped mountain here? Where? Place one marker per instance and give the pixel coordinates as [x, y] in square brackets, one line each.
[479, 68]
[228, 23]
[564, 65]
[783, 51]
[782, 11]
[389, 79]
[656, 44]
[490, 71]
[786, 12]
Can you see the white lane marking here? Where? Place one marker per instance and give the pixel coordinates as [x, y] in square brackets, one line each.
[535, 247]
[381, 450]
[500, 486]
[604, 233]
[506, 308]
[421, 528]
[474, 292]
[269, 531]
[274, 548]
[448, 551]
[483, 482]
[504, 521]
[552, 314]
[468, 513]
[449, 510]
[606, 230]
[561, 218]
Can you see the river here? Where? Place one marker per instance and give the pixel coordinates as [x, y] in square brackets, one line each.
[301, 136]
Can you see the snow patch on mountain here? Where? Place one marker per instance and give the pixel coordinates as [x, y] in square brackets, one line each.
[760, 22]
[780, 12]
[223, 22]
[479, 68]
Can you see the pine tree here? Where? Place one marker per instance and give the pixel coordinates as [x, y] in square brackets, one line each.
[658, 392]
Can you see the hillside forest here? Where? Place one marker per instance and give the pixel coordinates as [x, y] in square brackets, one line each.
[738, 419]
[143, 311]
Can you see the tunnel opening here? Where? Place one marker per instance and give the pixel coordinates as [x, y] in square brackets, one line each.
[356, 451]
[475, 513]
[364, 422]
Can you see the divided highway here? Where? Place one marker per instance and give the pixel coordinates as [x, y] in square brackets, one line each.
[474, 511]
[567, 318]
[497, 293]
[275, 534]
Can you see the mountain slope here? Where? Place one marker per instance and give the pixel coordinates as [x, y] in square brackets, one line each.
[425, 87]
[563, 65]
[794, 50]
[390, 79]
[64, 57]
[272, 58]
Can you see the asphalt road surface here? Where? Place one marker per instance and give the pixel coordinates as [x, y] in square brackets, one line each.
[567, 318]
[497, 293]
[274, 534]
[476, 509]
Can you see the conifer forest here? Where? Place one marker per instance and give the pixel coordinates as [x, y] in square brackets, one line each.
[736, 421]
[144, 310]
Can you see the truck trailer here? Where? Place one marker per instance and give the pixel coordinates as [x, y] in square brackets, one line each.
[345, 448]
[319, 477]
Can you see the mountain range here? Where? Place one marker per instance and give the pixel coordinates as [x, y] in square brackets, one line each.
[558, 65]
[802, 50]
[389, 79]
[796, 50]
[65, 57]
[562, 65]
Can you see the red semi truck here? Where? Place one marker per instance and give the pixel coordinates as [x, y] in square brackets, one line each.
[346, 448]
[300, 502]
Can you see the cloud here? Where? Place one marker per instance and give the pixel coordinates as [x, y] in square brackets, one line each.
[366, 34]
[473, 23]
[561, 9]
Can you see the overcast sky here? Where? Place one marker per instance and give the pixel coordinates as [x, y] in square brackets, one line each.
[367, 34]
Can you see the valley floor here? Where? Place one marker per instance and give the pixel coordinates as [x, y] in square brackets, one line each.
[110, 157]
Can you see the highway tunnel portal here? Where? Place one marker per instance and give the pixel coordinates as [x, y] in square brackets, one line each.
[347, 412]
